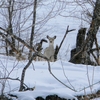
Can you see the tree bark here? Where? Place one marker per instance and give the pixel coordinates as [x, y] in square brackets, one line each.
[94, 26]
[10, 13]
[79, 44]
[33, 28]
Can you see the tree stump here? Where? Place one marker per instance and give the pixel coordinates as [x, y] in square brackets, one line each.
[79, 43]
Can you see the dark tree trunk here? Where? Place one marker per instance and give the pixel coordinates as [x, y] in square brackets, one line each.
[94, 26]
[10, 27]
[79, 43]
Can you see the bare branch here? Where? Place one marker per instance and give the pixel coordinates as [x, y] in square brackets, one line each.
[58, 48]
[19, 39]
[67, 31]
[13, 79]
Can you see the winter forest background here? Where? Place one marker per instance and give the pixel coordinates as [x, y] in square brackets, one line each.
[26, 27]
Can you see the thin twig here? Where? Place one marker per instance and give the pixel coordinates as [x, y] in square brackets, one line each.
[89, 79]
[66, 76]
[13, 79]
[89, 86]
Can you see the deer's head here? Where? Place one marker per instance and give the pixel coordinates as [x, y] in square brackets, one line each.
[51, 39]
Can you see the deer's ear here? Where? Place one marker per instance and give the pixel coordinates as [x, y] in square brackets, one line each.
[54, 37]
[47, 37]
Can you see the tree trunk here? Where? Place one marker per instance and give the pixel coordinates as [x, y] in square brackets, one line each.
[10, 27]
[94, 26]
[79, 43]
[33, 28]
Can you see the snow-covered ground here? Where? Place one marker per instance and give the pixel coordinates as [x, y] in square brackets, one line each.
[76, 76]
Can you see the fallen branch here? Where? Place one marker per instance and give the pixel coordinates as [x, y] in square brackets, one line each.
[12, 95]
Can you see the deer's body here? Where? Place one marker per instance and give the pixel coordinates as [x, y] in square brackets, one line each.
[49, 51]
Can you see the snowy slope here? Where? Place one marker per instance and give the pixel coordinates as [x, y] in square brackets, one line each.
[77, 77]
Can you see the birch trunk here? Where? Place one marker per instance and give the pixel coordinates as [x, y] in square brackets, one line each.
[33, 28]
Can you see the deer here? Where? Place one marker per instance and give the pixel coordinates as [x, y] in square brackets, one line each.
[49, 51]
